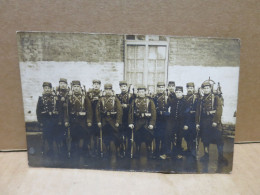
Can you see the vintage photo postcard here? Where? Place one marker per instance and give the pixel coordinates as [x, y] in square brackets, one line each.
[129, 102]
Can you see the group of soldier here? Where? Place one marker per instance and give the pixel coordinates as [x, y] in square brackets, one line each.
[87, 121]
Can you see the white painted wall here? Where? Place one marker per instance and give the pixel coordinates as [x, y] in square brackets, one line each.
[33, 74]
[227, 76]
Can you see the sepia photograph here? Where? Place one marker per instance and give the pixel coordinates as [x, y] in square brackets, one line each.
[146, 103]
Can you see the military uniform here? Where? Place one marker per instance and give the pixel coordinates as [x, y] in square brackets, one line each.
[190, 135]
[80, 113]
[175, 124]
[162, 113]
[125, 99]
[94, 95]
[172, 94]
[209, 111]
[109, 113]
[62, 107]
[47, 116]
[142, 113]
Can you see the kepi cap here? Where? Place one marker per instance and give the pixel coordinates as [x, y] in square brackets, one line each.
[96, 81]
[171, 83]
[160, 84]
[63, 80]
[76, 82]
[47, 84]
[206, 83]
[122, 83]
[191, 84]
[179, 88]
[108, 86]
[141, 87]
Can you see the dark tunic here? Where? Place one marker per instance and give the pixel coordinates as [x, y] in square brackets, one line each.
[47, 115]
[162, 112]
[142, 113]
[94, 96]
[125, 98]
[80, 113]
[108, 113]
[175, 123]
[209, 110]
[62, 107]
[190, 134]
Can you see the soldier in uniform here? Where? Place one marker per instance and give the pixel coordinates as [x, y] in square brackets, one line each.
[175, 125]
[62, 93]
[162, 113]
[94, 94]
[208, 121]
[47, 116]
[142, 117]
[80, 116]
[190, 134]
[109, 117]
[125, 99]
[171, 89]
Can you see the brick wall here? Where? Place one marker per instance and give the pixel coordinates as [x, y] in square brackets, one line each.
[187, 51]
[42, 46]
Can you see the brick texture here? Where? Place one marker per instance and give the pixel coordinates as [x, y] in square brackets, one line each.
[39, 46]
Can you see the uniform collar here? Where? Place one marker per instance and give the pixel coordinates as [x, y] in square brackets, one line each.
[180, 98]
[77, 94]
[47, 94]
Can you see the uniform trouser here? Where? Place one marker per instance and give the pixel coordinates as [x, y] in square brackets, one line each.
[79, 131]
[110, 132]
[48, 135]
[142, 133]
[190, 136]
[124, 129]
[125, 134]
[94, 135]
[211, 135]
[60, 136]
[174, 133]
[159, 132]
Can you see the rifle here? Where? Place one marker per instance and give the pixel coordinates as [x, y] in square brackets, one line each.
[84, 89]
[197, 131]
[219, 93]
[197, 140]
[101, 142]
[101, 135]
[132, 134]
[68, 139]
[43, 139]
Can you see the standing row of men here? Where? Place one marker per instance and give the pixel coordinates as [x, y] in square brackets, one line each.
[68, 116]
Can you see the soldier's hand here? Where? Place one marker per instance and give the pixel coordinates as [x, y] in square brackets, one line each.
[185, 127]
[66, 124]
[197, 127]
[131, 126]
[117, 124]
[89, 124]
[214, 124]
[99, 125]
[59, 123]
[150, 127]
[41, 124]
